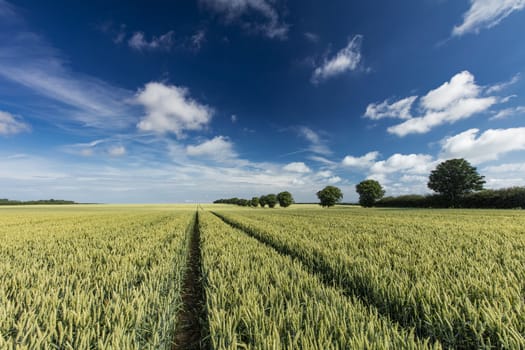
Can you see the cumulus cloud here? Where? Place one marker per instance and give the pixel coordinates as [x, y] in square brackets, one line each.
[399, 173]
[408, 163]
[347, 59]
[169, 108]
[10, 125]
[334, 180]
[489, 145]
[297, 167]
[240, 11]
[218, 148]
[504, 175]
[457, 99]
[399, 109]
[139, 42]
[117, 151]
[486, 14]
[360, 162]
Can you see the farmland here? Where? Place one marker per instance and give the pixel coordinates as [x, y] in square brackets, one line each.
[121, 276]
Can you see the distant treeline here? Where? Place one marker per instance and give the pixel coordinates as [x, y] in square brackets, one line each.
[505, 198]
[5, 201]
[284, 199]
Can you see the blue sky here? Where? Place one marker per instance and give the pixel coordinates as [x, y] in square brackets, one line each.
[182, 101]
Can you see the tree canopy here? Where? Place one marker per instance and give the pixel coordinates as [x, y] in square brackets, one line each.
[329, 196]
[271, 200]
[455, 178]
[285, 199]
[369, 191]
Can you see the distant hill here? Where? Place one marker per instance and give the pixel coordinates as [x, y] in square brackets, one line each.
[5, 201]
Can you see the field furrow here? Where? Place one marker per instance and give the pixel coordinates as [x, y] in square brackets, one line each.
[259, 299]
[453, 278]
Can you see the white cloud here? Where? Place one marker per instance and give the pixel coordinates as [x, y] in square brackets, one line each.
[360, 162]
[323, 160]
[507, 168]
[347, 59]
[30, 62]
[297, 167]
[399, 109]
[504, 175]
[271, 24]
[325, 173]
[460, 98]
[311, 37]
[218, 148]
[334, 179]
[169, 108]
[486, 14]
[461, 86]
[198, 39]
[407, 163]
[139, 42]
[507, 112]
[317, 144]
[234, 118]
[117, 151]
[490, 145]
[504, 85]
[10, 125]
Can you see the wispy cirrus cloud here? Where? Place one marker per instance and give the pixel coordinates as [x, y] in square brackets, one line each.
[139, 42]
[10, 124]
[345, 60]
[508, 112]
[29, 61]
[317, 143]
[260, 16]
[486, 14]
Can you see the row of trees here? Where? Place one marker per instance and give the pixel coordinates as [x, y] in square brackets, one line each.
[5, 201]
[285, 199]
[455, 182]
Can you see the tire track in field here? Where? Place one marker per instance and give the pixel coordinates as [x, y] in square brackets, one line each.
[192, 328]
[326, 275]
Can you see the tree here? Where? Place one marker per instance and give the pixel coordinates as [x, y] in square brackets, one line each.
[369, 191]
[455, 178]
[285, 199]
[271, 200]
[254, 202]
[329, 195]
[262, 201]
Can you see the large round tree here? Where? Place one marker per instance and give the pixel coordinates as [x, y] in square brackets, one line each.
[369, 191]
[454, 178]
[329, 195]
[285, 199]
[271, 200]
